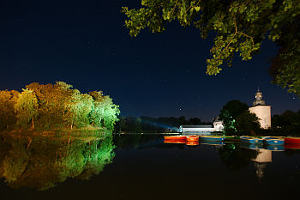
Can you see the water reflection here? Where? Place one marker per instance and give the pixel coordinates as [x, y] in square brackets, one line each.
[236, 157]
[263, 157]
[42, 162]
[142, 162]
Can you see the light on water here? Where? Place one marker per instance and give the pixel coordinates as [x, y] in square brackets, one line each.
[144, 167]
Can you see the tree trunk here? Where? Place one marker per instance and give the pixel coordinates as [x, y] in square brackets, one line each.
[32, 123]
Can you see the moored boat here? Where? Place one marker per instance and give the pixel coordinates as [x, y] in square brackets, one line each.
[251, 140]
[270, 140]
[292, 140]
[212, 138]
[192, 138]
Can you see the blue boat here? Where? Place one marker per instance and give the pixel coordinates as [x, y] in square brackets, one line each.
[251, 140]
[273, 140]
[209, 138]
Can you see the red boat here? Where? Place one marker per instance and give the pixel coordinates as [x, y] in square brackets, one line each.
[292, 140]
[176, 137]
[192, 138]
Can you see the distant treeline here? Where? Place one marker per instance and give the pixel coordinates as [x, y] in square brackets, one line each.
[154, 125]
[55, 106]
[288, 123]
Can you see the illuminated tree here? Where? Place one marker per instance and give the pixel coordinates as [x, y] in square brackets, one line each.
[56, 107]
[26, 108]
[7, 112]
[51, 105]
[84, 107]
[105, 112]
[239, 26]
[78, 109]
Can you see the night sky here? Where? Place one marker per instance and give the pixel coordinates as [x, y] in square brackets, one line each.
[85, 43]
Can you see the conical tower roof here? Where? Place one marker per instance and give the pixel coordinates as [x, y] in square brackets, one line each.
[259, 99]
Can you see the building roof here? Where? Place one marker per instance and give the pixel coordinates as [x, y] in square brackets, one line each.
[259, 99]
[196, 126]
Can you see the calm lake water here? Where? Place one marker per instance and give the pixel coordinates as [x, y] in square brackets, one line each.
[143, 167]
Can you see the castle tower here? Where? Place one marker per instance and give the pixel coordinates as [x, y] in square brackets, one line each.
[262, 111]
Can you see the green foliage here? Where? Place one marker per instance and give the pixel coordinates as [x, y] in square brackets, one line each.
[26, 108]
[238, 120]
[56, 106]
[239, 27]
[104, 111]
[247, 124]
[288, 123]
[229, 114]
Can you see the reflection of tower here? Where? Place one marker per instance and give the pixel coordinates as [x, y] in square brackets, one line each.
[260, 169]
[263, 157]
[262, 111]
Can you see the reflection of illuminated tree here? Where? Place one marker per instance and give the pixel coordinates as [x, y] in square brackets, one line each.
[49, 161]
[15, 161]
[235, 157]
[96, 162]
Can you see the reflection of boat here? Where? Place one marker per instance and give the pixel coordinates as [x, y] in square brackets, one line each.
[256, 146]
[192, 138]
[213, 143]
[292, 140]
[292, 146]
[275, 147]
[273, 140]
[192, 143]
[251, 140]
[175, 137]
[174, 141]
[207, 138]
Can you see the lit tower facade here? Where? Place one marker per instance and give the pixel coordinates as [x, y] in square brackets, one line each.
[262, 111]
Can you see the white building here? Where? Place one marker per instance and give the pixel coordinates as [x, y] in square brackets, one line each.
[202, 129]
[262, 111]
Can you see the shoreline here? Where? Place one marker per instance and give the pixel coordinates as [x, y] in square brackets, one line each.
[84, 132]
